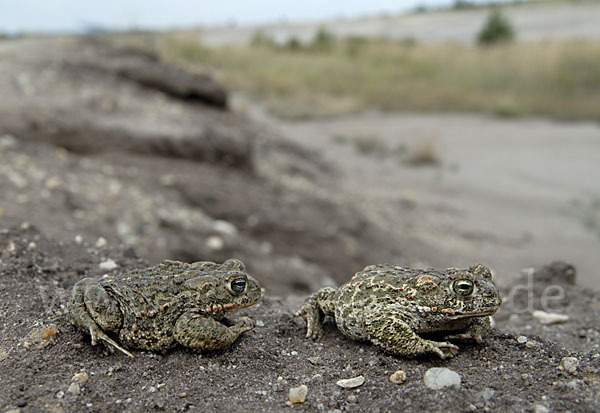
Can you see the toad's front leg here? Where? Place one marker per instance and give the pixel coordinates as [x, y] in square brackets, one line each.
[389, 330]
[204, 333]
[313, 310]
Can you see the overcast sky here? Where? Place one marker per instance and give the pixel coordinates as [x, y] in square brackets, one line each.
[76, 15]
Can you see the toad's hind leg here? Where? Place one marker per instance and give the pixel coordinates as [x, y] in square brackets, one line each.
[80, 316]
[204, 333]
[315, 307]
[388, 330]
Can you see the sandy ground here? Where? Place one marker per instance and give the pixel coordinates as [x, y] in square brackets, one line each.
[510, 193]
[534, 22]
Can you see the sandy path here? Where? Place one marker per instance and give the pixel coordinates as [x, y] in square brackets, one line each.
[505, 193]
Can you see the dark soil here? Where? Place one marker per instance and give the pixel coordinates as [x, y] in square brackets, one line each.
[255, 374]
[98, 165]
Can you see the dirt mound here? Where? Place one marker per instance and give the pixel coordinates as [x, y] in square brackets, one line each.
[167, 175]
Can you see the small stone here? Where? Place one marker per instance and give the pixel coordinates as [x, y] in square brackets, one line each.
[224, 227]
[100, 242]
[25, 226]
[351, 383]
[31, 246]
[74, 389]
[540, 408]
[514, 319]
[182, 394]
[78, 239]
[486, 394]
[80, 378]
[398, 377]
[298, 394]
[437, 378]
[521, 339]
[60, 394]
[550, 318]
[50, 332]
[569, 364]
[152, 389]
[2, 286]
[316, 360]
[352, 399]
[215, 242]
[532, 344]
[108, 264]
[53, 182]
[259, 323]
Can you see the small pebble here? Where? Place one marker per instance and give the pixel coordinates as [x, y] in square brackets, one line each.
[298, 394]
[351, 383]
[80, 378]
[182, 394]
[78, 239]
[100, 242]
[74, 389]
[398, 377]
[352, 399]
[50, 332]
[550, 318]
[60, 394]
[152, 389]
[569, 364]
[540, 408]
[108, 264]
[437, 378]
[224, 227]
[215, 243]
[521, 339]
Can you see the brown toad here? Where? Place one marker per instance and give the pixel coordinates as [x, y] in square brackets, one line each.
[173, 302]
[390, 306]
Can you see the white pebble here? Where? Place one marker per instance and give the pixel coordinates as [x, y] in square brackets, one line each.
[569, 364]
[108, 264]
[74, 389]
[540, 408]
[100, 242]
[439, 377]
[298, 394]
[550, 318]
[215, 243]
[224, 227]
[351, 383]
[521, 339]
[78, 239]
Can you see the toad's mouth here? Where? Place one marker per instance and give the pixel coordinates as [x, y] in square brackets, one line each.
[469, 315]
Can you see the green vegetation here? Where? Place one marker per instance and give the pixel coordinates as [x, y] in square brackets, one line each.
[497, 29]
[334, 76]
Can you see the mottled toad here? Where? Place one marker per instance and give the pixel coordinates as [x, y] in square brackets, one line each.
[391, 306]
[157, 307]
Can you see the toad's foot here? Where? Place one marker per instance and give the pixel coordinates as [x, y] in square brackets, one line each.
[315, 308]
[98, 334]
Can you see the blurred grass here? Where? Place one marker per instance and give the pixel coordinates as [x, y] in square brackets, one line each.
[338, 76]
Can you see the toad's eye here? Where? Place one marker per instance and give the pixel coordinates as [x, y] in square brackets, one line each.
[238, 285]
[463, 287]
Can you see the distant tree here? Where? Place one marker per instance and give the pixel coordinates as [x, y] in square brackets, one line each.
[323, 40]
[497, 29]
